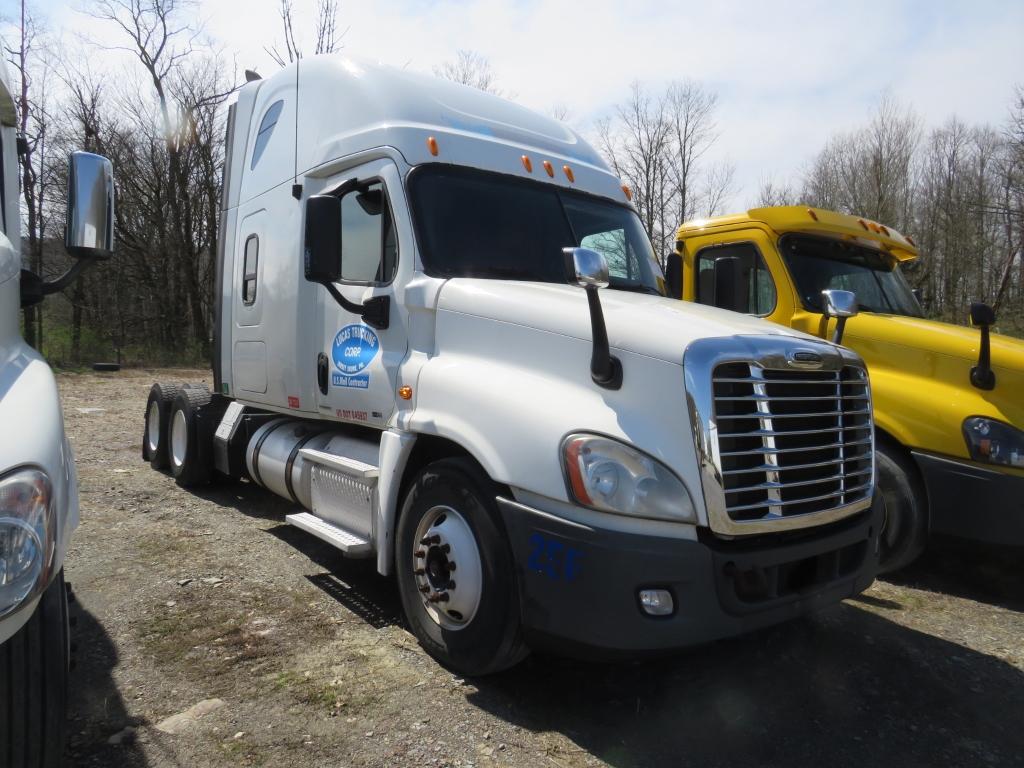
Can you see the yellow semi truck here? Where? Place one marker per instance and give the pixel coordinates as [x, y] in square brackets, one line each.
[948, 400]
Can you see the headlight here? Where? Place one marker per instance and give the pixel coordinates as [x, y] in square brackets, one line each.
[609, 476]
[994, 442]
[27, 529]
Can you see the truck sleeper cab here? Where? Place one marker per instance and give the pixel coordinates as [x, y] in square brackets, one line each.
[949, 401]
[403, 350]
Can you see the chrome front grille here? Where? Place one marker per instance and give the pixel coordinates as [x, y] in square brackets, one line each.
[791, 442]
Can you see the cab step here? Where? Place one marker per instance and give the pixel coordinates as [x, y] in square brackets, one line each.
[348, 542]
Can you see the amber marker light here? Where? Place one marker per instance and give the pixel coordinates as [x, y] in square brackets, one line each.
[549, 168]
[627, 192]
[812, 214]
[884, 230]
[405, 392]
[569, 174]
[911, 241]
[432, 145]
[862, 223]
[527, 164]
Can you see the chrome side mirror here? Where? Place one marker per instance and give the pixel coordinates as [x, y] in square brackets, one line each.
[586, 267]
[589, 270]
[840, 305]
[90, 215]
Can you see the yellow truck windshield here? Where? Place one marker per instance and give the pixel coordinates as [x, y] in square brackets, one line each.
[819, 263]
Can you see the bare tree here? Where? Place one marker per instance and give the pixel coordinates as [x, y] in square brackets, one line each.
[689, 110]
[717, 189]
[771, 193]
[470, 68]
[328, 40]
[561, 112]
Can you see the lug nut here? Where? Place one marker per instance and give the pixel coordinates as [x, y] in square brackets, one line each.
[446, 548]
[451, 566]
[426, 541]
[419, 572]
[438, 597]
[451, 585]
[419, 553]
[424, 589]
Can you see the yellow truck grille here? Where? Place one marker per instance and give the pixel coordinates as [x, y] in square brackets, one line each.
[791, 442]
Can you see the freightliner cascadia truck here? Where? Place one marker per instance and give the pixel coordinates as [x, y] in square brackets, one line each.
[949, 401]
[441, 333]
[38, 483]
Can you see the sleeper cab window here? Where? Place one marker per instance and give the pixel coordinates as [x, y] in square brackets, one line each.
[250, 269]
[266, 128]
[368, 247]
[757, 280]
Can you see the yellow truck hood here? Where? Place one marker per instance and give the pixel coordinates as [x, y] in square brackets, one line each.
[920, 372]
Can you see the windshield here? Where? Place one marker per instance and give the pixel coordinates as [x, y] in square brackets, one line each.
[818, 263]
[476, 224]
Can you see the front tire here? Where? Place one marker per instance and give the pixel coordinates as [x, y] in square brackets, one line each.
[33, 685]
[189, 447]
[905, 525]
[455, 570]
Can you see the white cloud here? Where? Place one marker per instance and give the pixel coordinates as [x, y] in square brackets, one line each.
[788, 74]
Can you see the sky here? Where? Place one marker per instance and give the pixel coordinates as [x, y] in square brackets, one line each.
[787, 74]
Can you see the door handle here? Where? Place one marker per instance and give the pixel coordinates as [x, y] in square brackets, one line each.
[321, 372]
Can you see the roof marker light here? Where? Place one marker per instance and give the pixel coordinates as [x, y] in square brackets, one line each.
[569, 174]
[862, 223]
[627, 192]
[911, 241]
[812, 214]
[432, 145]
[549, 168]
[527, 164]
[884, 230]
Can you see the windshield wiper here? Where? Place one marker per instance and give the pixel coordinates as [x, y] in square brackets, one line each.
[634, 288]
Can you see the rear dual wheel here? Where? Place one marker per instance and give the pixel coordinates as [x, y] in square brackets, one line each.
[158, 417]
[190, 440]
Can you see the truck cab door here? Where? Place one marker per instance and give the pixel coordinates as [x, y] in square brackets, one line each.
[357, 364]
[763, 287]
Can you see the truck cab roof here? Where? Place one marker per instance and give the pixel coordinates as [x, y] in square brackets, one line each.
[347, 106]
[799, 218]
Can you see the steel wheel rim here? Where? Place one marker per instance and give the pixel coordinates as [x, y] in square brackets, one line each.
[179, 438]
[153, 427]
[445, 548]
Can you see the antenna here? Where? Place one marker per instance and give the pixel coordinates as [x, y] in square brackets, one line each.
[296, 187]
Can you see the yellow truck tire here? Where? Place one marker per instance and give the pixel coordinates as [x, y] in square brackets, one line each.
[905, 530]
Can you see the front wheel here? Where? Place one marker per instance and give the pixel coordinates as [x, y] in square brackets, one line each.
[905, 524]
[455, 570]
[33, 685]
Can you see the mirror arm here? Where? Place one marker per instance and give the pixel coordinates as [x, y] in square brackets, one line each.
[605, 368]
[34, 289]
[982, 375]
[376, 311]
[837, 336]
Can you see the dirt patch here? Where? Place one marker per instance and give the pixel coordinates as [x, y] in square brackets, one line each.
[186, 597]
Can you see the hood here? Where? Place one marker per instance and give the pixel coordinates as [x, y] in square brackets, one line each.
[929, 337]
[649, 325]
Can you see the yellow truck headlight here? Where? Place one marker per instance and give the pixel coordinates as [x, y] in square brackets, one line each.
[610, 476]
[994, 442]
[27, 530]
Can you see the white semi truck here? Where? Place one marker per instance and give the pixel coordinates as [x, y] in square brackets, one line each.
[440, 332]
[38, 484]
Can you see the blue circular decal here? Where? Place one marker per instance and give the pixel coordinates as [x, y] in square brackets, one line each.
[354, 348]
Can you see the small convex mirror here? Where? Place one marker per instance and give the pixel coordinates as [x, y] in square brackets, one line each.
[586, 267]
[90, 215]
[839, 303]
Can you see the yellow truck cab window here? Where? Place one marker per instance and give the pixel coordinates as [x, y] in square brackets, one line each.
[819, 263]
[760, 288]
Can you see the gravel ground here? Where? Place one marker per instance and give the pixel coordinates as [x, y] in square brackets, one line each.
[297, 657]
